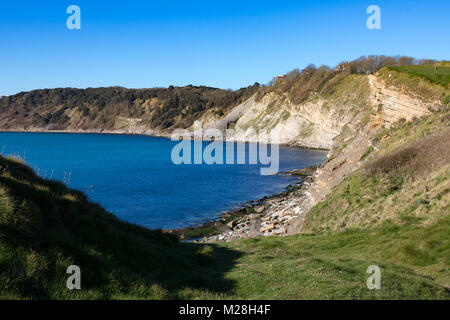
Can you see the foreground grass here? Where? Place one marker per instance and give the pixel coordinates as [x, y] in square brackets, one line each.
[393, 213]
[414, 262]
[45, 227]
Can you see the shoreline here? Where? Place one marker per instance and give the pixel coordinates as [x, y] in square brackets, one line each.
[227, 225]
[225, 221]
[148, 134]
[153, 134]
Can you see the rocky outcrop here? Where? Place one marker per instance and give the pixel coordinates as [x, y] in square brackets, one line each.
[349, 138]
[269, 216]
[344, 119]
[234, 115]
[394, 105]
[333, 172]
[307, 125]
[313, 123]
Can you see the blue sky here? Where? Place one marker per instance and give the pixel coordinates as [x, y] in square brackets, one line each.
[226, 44]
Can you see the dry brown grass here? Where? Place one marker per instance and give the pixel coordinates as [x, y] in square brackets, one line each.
[419, 157]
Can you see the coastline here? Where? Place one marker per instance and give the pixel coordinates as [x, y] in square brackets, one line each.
[225, 226]
[80, 131]
[150, 133]
[254, 218]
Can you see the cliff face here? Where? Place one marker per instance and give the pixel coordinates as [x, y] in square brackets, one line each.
[340, 111]
[395, 105]
[353, 126]
[313, 123]
[307, 125]
[389, 105]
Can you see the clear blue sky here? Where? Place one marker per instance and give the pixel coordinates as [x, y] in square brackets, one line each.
[226, 44]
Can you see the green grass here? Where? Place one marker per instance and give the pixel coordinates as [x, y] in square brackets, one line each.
[403, 133]
[411, 164]
[439, 74]
[397, 219]
[45, 227]
[201, 231]
[425, 82]
[367, 153]
[414, 263]
[399, 200]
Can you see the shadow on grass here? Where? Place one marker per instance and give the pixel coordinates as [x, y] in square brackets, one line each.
[46, 227]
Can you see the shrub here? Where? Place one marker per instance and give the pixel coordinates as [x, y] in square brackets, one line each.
[418, 157]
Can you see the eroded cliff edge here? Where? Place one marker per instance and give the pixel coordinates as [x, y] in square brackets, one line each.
[353, 122]
[337, 110]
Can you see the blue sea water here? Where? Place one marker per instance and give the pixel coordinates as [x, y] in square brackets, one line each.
[134, 177]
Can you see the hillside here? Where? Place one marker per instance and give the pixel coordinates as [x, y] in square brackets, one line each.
[116, 109]
[45, 227]
[382, 197]
[365, 112]
[307, 108]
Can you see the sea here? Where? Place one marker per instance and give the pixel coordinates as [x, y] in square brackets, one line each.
[136, 178]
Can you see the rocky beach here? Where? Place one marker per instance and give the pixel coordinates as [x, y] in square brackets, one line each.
[267, 216]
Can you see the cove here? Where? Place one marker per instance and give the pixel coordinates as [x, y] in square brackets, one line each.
[134, 178]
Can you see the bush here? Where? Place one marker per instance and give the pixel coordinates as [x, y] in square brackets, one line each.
[418, 157]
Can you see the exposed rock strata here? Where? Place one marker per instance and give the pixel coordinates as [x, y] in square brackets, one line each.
[395, 105]
[284, 214]
[344, 122]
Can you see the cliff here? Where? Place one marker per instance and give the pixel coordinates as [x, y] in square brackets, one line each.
[339, 110]
[46, 227]
[381, 197]
[363, 113]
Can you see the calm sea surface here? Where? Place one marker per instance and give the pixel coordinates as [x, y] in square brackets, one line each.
[134, 178]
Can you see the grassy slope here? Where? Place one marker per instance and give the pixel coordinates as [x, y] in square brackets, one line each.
[406, 179]
[393, 213]
[414, 263]
[437, 74]
[397, 219]
[52, 227]
[44, 227]
[423, 81]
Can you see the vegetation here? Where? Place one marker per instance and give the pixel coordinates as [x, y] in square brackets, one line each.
[100, 108]
[373, 63]
[406, 179]
[45, 227]
[392, 212]
[429, 82]
[414, 263]
[301, 84]
[438, 74]
[164, 109]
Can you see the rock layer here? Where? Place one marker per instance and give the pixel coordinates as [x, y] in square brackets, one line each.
[395, 105]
